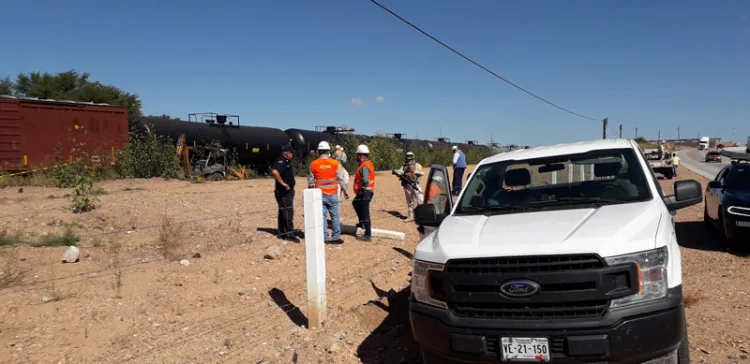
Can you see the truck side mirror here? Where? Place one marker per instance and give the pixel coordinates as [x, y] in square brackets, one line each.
[425, 215]
[686, 193]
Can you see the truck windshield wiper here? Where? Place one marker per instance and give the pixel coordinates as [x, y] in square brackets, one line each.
[492, 208]
[578, 200]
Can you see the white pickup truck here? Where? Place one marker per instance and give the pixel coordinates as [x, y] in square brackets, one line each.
[561, 254]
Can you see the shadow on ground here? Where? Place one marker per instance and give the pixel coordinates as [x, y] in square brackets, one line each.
[391, 341]
[292, 311]
[397, 214]
[696, 235]
[275, 232]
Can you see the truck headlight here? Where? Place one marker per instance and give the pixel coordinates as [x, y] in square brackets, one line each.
[652, 276]
[420, 282]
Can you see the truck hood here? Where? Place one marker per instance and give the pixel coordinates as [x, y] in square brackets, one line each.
[608, 230]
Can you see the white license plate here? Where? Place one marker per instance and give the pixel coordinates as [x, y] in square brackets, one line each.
[525, 349]
[743, 224]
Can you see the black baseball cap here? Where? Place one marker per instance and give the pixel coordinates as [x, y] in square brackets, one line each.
[287, 148]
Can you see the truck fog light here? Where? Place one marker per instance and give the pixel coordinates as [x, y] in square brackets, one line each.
[420, 285]
[652, 276]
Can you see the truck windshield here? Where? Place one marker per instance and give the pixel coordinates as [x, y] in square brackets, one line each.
[600, 177]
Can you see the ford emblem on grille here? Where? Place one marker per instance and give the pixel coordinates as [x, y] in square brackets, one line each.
[519, 288]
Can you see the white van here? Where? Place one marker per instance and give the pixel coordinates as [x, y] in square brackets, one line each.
[561, 254]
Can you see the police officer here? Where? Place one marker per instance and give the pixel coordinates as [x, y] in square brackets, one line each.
[284, 192]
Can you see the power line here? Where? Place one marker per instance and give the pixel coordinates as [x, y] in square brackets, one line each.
[479, 65]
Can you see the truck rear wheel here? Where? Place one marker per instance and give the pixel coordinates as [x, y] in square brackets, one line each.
[668, 175]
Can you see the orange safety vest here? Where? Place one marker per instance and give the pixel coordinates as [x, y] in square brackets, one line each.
[434, 191]
[358, 182]
[324, 171]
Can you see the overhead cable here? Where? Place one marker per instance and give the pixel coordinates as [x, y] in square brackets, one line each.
[479, 65]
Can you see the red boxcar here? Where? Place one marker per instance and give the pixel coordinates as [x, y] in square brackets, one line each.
[31, 129]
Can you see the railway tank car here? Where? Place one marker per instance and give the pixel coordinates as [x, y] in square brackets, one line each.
[255, 146]
[305, 142]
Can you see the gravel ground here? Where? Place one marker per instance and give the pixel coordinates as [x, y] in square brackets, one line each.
[232, 305]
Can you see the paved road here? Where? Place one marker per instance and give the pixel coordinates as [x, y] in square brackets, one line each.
[694, 160]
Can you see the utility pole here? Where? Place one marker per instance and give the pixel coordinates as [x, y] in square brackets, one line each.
[732, 135]
[620, 131]
[604, 128]
[678, 133]
[659, 137]
[636, 132]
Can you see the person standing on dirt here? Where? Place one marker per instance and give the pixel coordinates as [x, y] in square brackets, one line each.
[284, 192]
[675, 164]
[339, 155]
[364, 188]
[459, 166]
[413, 172]
[327, 174]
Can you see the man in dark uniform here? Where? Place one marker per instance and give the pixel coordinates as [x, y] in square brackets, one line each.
[284, 174]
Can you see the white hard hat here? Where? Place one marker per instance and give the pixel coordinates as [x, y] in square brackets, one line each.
[363, 149]
[454, 147]
[324, 146]
[437, 178]
[409, 155]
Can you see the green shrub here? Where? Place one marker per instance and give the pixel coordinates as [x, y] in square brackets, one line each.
[388, 154]
[148, 156]
[67, 238]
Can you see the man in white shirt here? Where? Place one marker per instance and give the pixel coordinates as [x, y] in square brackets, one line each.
[459, 166]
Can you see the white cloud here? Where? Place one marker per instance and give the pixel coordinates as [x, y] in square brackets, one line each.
[380, 99]
[357, 101]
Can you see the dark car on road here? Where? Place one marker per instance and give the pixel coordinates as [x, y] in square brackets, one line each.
[713, 156]
[727, 200]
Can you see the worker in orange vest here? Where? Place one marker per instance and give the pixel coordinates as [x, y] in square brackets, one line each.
[364, 188]
[328, 174]
[434, 189]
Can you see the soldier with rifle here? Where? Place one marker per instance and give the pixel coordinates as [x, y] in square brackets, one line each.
[411, 175]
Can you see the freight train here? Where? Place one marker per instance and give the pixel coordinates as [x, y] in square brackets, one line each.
[30, 130]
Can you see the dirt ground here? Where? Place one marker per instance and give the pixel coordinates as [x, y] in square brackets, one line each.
[230, 305]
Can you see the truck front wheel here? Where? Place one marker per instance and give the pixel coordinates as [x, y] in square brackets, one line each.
[668, 174]
[683, 353]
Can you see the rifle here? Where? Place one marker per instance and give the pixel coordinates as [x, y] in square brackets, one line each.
[406, 181]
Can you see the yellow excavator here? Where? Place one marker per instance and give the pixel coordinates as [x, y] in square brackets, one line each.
[213, 168]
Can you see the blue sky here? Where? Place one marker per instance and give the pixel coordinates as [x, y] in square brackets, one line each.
[655, 65]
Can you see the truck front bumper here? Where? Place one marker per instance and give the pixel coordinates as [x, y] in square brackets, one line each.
[636, 334]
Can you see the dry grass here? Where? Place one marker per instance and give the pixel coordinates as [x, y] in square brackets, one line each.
[10, 273]
[170, 239]
[113, 251]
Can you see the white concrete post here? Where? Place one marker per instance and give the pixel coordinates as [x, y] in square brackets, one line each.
[583, 173]
[315, 256]
[554, 177]
[570, 173]
[592, 172]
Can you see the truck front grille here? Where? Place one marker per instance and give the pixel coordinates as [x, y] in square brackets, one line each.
[553, 263]
[570, 286]
[531, 311]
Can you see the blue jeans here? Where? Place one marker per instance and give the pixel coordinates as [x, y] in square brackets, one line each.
[674, 170]
[331, 206]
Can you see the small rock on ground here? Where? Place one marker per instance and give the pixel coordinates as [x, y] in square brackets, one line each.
[273, 252]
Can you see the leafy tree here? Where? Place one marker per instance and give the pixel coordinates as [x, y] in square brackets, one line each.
[70, 85]
[6, 86]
